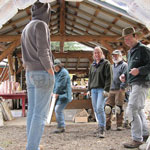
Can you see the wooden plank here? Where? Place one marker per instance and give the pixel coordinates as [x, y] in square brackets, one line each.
[7, 38]
[80, 104]
[10, 62]
[93, 24]
[1, 117]
[6, 110]
[84, 38]
[9, 50]
[52, 106]
[71, 54]
[110, 14]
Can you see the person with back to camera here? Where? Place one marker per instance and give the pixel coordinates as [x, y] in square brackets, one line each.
[117, 91]
[38, 62]
[138, 78]
[100, 77]
[62, 92]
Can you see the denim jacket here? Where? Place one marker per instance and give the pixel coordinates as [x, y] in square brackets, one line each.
[63, 86]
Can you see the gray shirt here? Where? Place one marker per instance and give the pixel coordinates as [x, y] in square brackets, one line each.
[118, 69]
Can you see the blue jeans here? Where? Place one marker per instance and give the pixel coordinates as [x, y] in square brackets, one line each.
[59, 112]
[98, 102]
[39, 87]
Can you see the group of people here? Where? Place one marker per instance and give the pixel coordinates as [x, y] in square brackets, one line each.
[135, 74]
[46, 77]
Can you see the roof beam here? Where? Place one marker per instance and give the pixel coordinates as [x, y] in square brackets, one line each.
[83, 38]
[24, 18]
[94, 17]
[70, 54]
[9, 38]
[110, 14]
[9, 50]
[94, 24]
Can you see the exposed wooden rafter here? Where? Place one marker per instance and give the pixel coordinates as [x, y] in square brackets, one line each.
[10, 60]
[9, 50]
[62, 23]
[83, 38]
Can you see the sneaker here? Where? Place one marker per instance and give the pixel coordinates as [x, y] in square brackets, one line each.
[119, 128]
[132, 144]
[145, 137]
[108, 127]
[59, 130]
[143, 146]
[101, 133]
[1, 148]
[96, 131]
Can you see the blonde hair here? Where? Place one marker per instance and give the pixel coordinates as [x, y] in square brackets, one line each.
[100, 51]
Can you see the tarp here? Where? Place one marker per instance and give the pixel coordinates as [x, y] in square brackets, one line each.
[9, 8]
[139, 9]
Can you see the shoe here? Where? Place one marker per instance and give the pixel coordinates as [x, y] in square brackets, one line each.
[59, 130]
[41, 147]
[101, 132]
[143, 146]
[96, 131]
[145, 137]
[108, 127]
[119, 129]
[132, 144]
[126, 125]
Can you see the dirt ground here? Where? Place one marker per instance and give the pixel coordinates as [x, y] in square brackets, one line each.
[77, 137]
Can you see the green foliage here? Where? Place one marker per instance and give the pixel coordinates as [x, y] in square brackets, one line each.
[69, 46]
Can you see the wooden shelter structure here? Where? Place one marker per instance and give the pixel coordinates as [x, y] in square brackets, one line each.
[90, 22]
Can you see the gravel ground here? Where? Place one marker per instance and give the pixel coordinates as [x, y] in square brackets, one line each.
[77, 137]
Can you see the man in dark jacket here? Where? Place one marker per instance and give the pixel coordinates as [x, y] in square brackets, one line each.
[37, 60]
[117, 91]
[138, 77]
[62, 92]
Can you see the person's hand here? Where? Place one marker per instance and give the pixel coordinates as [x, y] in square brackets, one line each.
[122, 78]
[51, 71]
[88, 93]
[56, 96]
[105, 94]
[134, 71]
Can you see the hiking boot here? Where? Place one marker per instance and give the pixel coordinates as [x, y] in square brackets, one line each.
[101, 133]
[143, 146]
[108, 127]
[145, 137]
[132, 144]
[96, 131]
[59, 130]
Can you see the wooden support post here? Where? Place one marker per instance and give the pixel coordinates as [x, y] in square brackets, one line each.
[10, 63]
[9, 50]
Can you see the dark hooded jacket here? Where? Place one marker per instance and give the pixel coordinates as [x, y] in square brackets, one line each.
[35, 39]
